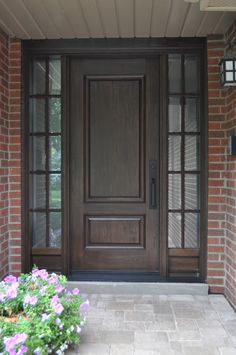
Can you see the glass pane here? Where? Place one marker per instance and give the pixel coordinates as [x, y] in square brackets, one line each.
[55, 229]
[174, 153]
[191, 65]
[192, 115]
[175, 73]
[54, 115]
[37, 115]
[191, 153]
[38, 198]
[229, 64]
[192, 195]
[39, 229]
[174, 191]
[38, 82]
[174, 114]
[38, 156]
[191, 232]
[55, 76]
[55, 191]
[229, 76]
[55, 153]
[174, 230]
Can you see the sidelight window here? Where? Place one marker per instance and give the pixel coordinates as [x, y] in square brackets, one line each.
[45, 152]
[183, 152]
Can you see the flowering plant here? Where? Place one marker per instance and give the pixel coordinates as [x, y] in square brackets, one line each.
[38, 315]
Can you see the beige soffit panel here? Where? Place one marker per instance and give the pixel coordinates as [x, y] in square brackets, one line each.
[218, 5]
[39, 19]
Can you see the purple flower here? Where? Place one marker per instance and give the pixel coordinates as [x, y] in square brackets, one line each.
[84, 306]
[75, 292]
[52, 280]
[32, 300]
[2, 297]
[23, 349]
[15, 285]
[40, 273]
[58, 308]
[11, 292]
[10, 278]
[45, 316]
[16, 340]
[54, 301]
[78, 329]
[57, 321]
[42, 291]
[59, 288]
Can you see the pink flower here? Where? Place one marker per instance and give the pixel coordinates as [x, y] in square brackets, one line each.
[16, 340]
[42, 291]
[11, 292]
[54, 301]
[75, 292]
[30, 300]
[84, 306]
[23, 350]
[59, 288]
[40, 273]
[58, 308]
[52, 280]
[10, 278]
[45, 316]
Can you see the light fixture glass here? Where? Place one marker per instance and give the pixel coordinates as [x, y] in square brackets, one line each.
[228, 71]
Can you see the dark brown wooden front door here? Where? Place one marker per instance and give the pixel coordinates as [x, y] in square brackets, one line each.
[114, 165]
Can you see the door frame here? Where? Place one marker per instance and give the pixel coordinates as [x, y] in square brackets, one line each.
[113, 48]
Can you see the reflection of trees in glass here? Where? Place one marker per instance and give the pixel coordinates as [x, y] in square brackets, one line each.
[55, 151]
[55, 115]
[55, 230]
[55, 191]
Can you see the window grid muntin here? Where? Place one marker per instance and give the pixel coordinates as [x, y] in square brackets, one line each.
[183, 95]
[47, 173]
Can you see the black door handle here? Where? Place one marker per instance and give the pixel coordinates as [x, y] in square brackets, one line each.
[152, 184]
[153, 193]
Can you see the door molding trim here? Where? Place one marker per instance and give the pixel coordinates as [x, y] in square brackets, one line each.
[111, 48]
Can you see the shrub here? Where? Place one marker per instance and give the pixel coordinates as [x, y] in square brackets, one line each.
[38, 315]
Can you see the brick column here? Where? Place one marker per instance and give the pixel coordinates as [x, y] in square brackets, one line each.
[217, 143]
[4, 94]
[15, 155]
[10, 155]
[222, 174]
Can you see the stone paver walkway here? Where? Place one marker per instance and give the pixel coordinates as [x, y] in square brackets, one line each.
[158, 325]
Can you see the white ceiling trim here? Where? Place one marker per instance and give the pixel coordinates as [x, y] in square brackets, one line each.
[40, 19]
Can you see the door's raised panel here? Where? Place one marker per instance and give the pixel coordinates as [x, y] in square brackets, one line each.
[114, 232]
[114, 134]
[114, 156]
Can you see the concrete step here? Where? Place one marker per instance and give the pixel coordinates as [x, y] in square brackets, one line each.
[138, 288]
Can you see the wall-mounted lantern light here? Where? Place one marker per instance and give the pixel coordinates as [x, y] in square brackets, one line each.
[228, 71]
[228, 66]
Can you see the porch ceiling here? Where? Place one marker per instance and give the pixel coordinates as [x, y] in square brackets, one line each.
[40, 19]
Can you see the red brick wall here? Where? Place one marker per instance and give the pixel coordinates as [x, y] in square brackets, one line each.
[15, 155]
[222, 174]
[230, 222]
[222, 168]
[10, 156]
[4, 94]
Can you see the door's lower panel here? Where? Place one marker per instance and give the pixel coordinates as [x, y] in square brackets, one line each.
[183, 262]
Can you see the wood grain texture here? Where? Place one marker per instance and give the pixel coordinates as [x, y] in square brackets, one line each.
[114, 133]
